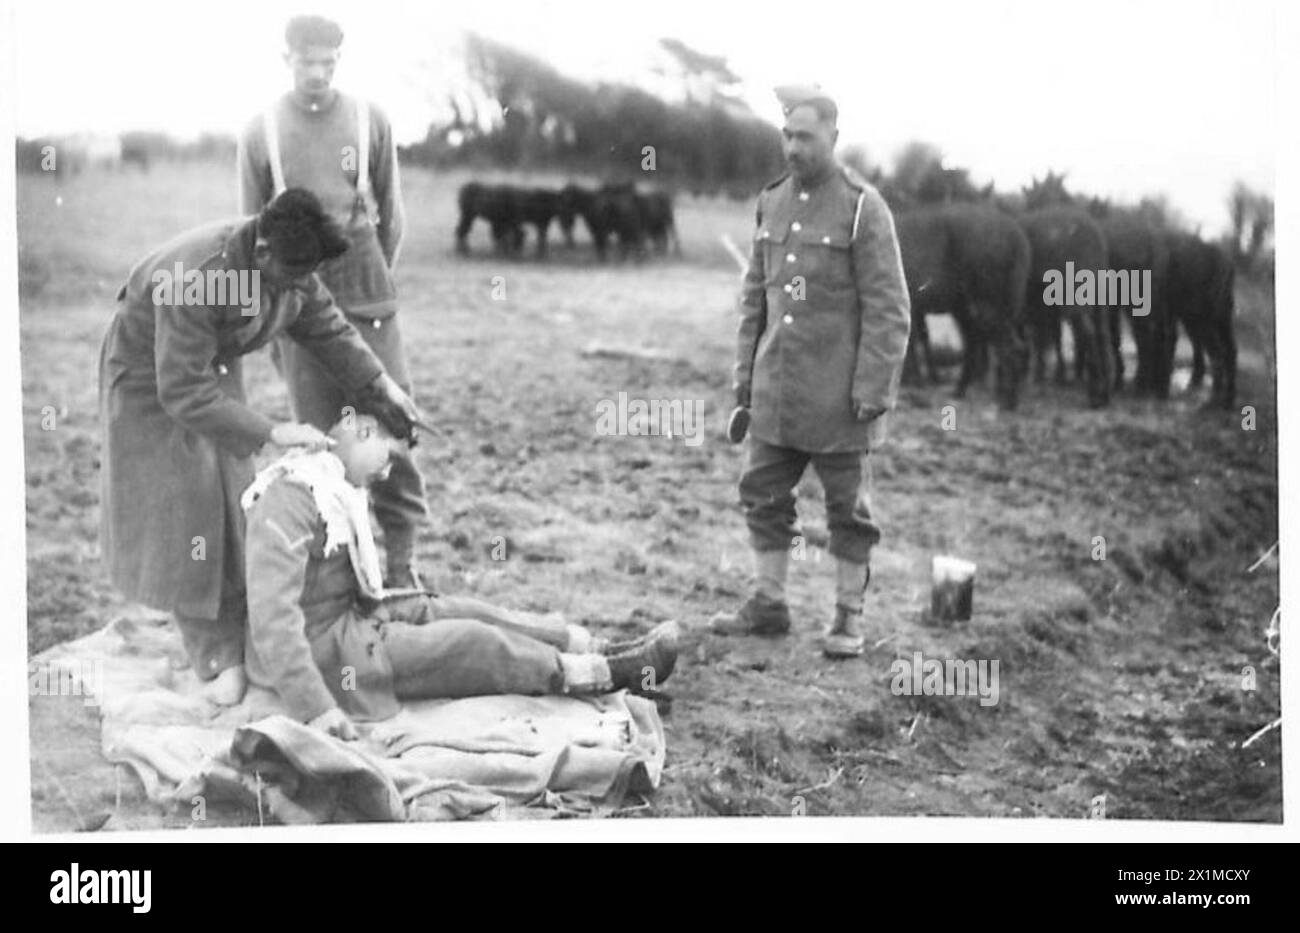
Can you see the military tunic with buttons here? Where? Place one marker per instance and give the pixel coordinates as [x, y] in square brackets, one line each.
[824, 325]
[825, 271]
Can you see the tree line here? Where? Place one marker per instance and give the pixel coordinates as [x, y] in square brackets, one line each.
[525, 114]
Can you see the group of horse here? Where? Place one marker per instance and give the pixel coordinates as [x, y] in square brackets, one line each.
[615, 213]
[982, 262]
[987, 266]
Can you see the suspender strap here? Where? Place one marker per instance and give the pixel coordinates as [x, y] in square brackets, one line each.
[271, 131]
[363, 152]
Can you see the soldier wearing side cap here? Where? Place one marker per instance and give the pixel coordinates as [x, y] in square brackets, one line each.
[824, 321]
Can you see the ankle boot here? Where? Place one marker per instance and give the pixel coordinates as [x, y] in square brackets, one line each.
[643, 668]
[766, 612]
[851, 581]
[844, 638]
[770, 571]
[758, 616]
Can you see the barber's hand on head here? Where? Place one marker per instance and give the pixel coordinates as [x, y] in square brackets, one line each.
[293, 434]
[335, 722]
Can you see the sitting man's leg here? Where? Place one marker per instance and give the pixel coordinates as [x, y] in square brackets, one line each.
[548, 628]
[467, 657]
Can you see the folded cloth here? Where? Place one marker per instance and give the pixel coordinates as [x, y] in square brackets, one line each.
[486, 757]
[345, 509]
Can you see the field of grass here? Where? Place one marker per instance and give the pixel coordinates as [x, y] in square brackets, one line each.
[1118, 677]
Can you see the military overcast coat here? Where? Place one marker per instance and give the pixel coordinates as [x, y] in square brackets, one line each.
[178, 437]
[826, 270]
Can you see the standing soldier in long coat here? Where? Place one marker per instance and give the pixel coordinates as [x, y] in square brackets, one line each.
[824, 325]
[178, 436]
[341, 148]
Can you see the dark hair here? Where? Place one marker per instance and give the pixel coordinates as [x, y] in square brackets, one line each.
[305, 31]
[298, 229]
[824, 107]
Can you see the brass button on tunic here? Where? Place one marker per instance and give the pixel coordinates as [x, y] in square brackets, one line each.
[854, 315]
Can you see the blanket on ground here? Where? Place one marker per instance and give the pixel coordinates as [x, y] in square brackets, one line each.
[477, 758]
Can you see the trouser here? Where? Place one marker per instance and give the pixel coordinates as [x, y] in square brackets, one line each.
[767, 492]
[213, 645]
[548, 629]
[317, 399]
[437, 653]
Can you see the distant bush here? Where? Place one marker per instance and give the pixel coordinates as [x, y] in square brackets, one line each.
[140, 149]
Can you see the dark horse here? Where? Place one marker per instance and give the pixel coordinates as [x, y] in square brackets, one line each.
[1061, 238]
[506, 208]
[658, 222]
[1201, 279]
[1133, 243]
[970, 261]
[612, 210]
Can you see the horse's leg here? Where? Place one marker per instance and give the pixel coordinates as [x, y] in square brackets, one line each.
[1227, 347]
[1198, 358]
[1092, 349]
[1116, 327]
[1010, 353]
[1058, 326]
[970, 348]
[462, 231]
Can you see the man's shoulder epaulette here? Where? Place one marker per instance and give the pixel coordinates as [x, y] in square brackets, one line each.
[861, 191]
[776, 182]
[853, 179]
[768, 189]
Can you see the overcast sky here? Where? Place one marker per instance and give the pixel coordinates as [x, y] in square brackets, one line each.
[1129, 98]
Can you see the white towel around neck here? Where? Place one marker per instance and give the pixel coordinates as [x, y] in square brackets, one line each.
[344, 508]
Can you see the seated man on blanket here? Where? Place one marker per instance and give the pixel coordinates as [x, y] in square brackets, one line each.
[324, 635]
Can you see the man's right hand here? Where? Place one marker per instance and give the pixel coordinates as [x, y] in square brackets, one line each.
[335, 722]
[293, 434]
[742, 396]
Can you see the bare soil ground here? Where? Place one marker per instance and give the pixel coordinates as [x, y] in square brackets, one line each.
[1120, 677]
